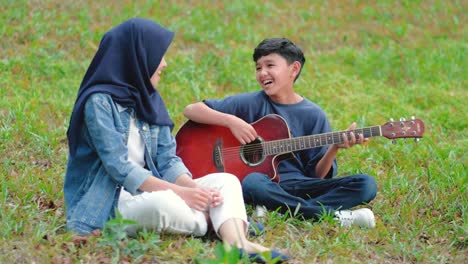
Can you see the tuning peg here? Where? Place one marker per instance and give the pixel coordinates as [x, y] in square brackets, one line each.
[394, 141]
[413, 118]
[416, 140]
[391, 120]
[402, 121]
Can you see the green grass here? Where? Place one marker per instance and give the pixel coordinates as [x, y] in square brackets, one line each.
[367, 61]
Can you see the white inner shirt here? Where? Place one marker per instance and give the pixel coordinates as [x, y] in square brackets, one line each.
[136, 152]
[135, 145]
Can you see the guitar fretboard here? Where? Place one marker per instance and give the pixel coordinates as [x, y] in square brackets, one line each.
[314, 141]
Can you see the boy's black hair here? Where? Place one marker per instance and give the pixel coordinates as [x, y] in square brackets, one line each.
[281, 46]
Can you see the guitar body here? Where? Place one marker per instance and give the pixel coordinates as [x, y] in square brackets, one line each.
[207, 149]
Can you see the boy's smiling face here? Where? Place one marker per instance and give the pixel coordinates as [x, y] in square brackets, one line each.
[275, 75]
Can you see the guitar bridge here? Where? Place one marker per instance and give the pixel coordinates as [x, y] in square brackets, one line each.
[218, 156]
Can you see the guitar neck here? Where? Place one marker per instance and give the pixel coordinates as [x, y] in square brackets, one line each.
[314, 141]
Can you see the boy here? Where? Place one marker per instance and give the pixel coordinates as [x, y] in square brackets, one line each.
[306, 181]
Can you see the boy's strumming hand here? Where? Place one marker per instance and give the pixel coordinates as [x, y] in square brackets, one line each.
[241, 130]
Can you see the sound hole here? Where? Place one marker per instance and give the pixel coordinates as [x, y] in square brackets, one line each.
[252, 153]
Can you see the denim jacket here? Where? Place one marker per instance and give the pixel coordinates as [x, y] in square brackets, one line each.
[100, 167]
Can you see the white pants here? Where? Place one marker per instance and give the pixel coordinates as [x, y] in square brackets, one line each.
[165, 211]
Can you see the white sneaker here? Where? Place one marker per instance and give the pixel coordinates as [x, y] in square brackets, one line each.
[260, 211]
[361, 217]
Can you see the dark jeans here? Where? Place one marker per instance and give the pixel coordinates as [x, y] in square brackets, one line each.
[312, 195]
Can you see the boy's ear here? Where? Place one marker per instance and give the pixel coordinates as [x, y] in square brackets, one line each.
[296, 68]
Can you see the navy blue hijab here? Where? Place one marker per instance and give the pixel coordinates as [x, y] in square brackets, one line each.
[127, 57]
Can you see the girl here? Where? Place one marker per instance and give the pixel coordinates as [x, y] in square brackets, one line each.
[122, 152]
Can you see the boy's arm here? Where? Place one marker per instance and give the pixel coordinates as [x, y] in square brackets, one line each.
[326, 162]
[324, 165]
[201, 113]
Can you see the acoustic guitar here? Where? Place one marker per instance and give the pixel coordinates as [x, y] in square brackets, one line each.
[208, 149]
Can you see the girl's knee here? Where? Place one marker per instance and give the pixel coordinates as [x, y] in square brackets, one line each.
[220, 179]
[230, 178]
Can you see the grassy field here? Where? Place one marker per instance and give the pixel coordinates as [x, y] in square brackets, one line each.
[367, 61]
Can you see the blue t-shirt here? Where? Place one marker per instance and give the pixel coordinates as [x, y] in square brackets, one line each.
[303, 118]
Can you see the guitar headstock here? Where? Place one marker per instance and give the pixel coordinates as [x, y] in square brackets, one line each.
[413, 128]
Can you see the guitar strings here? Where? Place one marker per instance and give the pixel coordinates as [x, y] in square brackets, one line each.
[298, 143]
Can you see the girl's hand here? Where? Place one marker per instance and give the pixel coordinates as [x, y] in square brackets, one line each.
[201, 199]
[195, 197]
[216, 197]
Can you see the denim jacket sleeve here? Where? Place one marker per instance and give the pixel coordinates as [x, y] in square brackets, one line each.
[168, 163]
[100, 117]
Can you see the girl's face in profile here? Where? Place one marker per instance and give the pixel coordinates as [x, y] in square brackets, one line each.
[157, 74]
